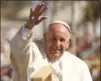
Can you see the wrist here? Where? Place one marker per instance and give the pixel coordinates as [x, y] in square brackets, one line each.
[29, 25]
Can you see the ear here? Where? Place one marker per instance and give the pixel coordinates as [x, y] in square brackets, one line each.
[69, 43]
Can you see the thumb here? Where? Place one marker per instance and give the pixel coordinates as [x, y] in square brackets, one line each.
[43, 18]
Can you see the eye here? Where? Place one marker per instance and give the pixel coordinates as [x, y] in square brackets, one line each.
[53, 39]
[62, 40]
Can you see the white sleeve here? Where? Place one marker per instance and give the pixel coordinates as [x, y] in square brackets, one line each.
[25, 32]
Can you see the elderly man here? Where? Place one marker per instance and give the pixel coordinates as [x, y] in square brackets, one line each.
[26, 57]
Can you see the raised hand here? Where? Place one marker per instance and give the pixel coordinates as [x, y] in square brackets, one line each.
[36, 15]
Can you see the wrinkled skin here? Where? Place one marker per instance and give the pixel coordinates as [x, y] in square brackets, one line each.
[57, 40]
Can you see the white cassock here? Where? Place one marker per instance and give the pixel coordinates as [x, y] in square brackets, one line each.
[27, 59]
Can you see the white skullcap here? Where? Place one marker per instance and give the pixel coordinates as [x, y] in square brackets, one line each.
[62, 22]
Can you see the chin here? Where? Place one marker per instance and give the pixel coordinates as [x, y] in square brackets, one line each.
[56, 56]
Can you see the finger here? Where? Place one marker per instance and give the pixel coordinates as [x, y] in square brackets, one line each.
[30, 12]
[37, 7]
[33, 11]
[43, 18]
[43, 9]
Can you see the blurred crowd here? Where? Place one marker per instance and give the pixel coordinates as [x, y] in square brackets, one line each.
[87, 47]
[6, 69]
[90, 56]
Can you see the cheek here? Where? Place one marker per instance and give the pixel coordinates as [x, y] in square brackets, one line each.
[47, 41]
[66, 46]
[48, 44]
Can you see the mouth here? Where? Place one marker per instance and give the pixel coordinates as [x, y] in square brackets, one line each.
[55, 51]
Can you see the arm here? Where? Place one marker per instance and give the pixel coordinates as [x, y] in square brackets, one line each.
[36, 16]
[20, 47]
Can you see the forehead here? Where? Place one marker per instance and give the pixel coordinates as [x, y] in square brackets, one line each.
[58, 28]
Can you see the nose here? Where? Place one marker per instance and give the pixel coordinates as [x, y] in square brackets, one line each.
[57, 44]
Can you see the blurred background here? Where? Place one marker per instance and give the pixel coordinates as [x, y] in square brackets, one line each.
[82, 16]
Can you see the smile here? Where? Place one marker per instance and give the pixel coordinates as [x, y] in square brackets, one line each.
[55, 51]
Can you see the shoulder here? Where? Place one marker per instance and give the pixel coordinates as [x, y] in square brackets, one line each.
[74, 60]
[76, 66]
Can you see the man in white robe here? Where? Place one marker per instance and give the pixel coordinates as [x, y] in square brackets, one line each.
[27, 59]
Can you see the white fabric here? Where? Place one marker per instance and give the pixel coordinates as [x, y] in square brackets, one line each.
[25, 32]
[57, 73]
[68, 68]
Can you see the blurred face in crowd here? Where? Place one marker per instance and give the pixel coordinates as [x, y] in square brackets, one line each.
[57, 40]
